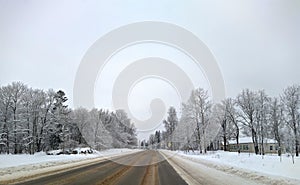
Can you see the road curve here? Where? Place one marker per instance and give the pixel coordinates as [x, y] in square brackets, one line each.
[141, 168]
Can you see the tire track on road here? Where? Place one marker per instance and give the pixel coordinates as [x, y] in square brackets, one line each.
[124, 169]
[151, 172]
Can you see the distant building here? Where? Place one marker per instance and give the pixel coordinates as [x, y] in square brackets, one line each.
[246, 145]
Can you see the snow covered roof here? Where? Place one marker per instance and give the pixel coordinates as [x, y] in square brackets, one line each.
[241, 140]
[249, 140]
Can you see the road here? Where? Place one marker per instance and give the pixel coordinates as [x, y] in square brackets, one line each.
[149, 167]
[145, 167]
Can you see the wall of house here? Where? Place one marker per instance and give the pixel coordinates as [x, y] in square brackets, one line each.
[271, 148]
[244, 147]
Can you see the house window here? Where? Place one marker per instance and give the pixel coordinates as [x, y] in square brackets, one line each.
[245, 147]
[271, 147]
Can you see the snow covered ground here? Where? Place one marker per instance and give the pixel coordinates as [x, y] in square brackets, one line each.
[41, 157]
[18, 166]
[251, 166]
[213, 168]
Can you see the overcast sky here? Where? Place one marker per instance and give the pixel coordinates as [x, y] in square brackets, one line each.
[256, 43]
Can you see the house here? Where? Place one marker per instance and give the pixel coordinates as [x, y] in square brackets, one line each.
[246, 145]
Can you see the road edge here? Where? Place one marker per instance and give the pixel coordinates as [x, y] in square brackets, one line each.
[181, 172]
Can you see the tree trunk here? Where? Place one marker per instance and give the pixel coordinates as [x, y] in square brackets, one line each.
[296, 138]
[237, 142]
[34, 135]
[15, 132]
[225, 143]
[7, 135]
[262, 141]
[254, 138]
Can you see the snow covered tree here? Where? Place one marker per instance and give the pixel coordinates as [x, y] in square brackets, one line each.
[32, 120]
[262, 118]
[81, 117]
[247, 103]
[291, 101]
[277, 122]
[224, 114]
[109, 129]
[96, 134]
[198, 112]
[17, 90]
[5, 104]
[33, 102]
[170, 124]
[59, 133]
[157, 136]
[45, 127]
[233, 117]
[185, 131]
[152, 141]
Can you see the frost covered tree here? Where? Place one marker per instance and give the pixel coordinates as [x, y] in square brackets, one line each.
[45, 121]
[152, 140]
[198, 112]
[5, 104]
[33, 120]
[81, 117]
[96, 134]
[33, 103]
[247, 103]
[262, 117]
[60, 123]
[17, 90]
[157, 137]
[291, 101]
[186, 131]
[125, 130]
[170, 124]
[277, 122]
[233, 118]
[103, 129]
[224, 114]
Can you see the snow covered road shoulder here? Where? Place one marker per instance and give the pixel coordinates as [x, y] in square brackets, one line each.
[231, 168]
[22, 166]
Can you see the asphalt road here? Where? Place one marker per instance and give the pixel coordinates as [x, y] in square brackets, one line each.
[146, 167]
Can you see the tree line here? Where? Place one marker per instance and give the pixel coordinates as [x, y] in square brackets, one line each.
[34, 120]
[203, 125]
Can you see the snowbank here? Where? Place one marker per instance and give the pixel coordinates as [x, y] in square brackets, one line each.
[23, 166]
[269, 164]
[41, 157]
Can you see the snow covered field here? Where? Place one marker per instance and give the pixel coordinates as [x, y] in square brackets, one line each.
[18, 166]
[246, 164]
